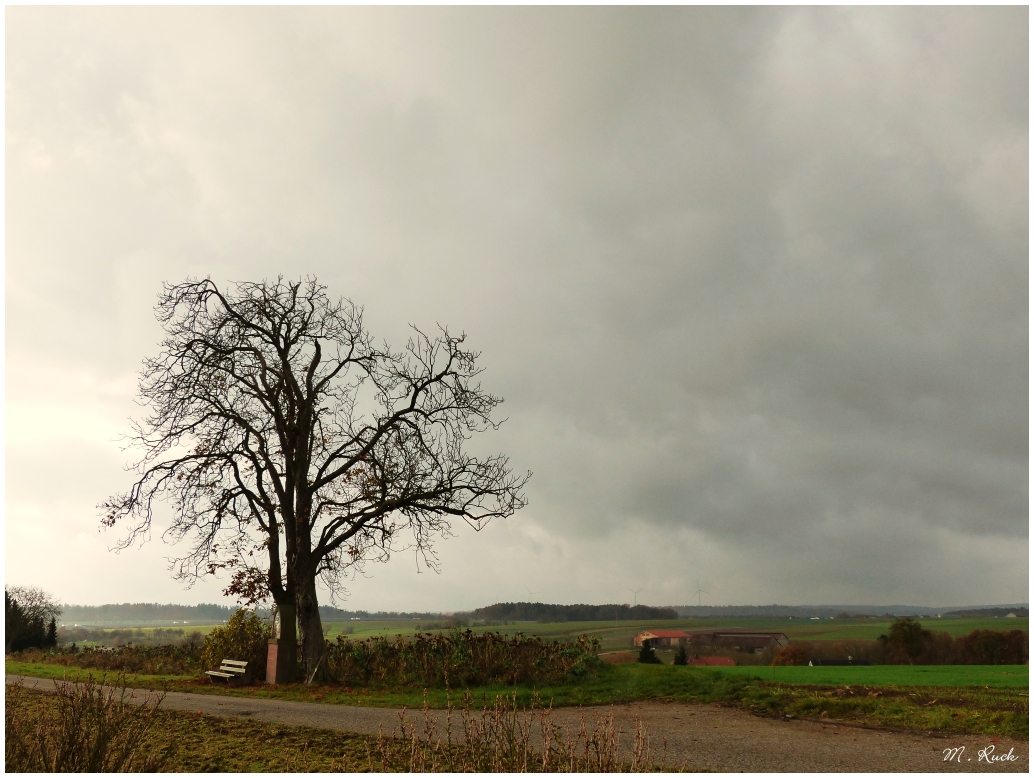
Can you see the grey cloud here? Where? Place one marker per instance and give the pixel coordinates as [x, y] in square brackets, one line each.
[752, 280]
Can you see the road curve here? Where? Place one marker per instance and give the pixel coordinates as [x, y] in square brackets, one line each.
[696, 737]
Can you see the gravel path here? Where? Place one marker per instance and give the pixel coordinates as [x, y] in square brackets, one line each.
[699, 737]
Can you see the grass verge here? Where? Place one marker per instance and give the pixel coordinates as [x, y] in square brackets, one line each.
[1001, 710]
[500, 739]
[197, 743]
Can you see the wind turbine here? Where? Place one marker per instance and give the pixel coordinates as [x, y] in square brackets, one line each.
[530, 592]
[699, 592]
[635, 596]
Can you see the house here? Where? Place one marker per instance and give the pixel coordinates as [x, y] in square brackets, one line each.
[712, 661]
[755, 642]
[751, 641]
[740, 641]
[662, 638]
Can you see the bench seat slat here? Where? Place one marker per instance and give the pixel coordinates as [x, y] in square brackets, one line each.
[232, 670]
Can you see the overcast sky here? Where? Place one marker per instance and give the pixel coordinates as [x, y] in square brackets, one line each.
[753, 283]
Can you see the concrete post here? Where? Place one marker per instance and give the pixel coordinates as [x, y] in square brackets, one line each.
[273, 661]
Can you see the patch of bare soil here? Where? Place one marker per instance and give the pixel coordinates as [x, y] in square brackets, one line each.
[694, 737]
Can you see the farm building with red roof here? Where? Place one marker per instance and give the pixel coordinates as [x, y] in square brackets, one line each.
[735, 639]
[740, 640]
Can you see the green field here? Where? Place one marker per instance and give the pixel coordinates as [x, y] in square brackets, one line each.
[188, 629]
[987, 676]
[616, 635]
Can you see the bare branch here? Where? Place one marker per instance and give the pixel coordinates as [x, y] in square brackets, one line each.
[289, 446]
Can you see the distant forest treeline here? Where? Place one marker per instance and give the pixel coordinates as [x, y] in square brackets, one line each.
[156, 614]
[143, 612]
[328, 613]
[538, 611]
[827, 611]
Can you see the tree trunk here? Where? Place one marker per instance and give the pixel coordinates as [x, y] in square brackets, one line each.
[288, 638]
[314, 647]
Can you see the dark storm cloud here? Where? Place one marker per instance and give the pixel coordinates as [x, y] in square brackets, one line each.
[752, 281]
[859, 334]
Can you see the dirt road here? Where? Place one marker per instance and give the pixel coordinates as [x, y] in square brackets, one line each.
[698, 737]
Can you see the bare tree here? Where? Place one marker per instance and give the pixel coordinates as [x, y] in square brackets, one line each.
[291, 447]
[35, 603]
[30, 618]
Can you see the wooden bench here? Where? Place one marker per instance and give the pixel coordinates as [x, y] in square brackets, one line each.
[233, 671]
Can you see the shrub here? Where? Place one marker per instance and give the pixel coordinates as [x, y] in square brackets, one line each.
[987, 647]
[681, 658]
[460, 659]
[980, 647]
[85, 727]
[647, 655]
[790, 655]
[245, 637]
[938, 649]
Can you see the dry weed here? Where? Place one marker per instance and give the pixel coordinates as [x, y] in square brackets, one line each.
[509, 739]
[93, 728]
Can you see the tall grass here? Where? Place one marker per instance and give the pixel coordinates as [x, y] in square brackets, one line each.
[92, 728]
[507, 738]
[460, 659]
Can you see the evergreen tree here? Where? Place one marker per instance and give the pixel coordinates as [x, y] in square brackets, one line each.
[647, 655]
[51, 640]
[25, 618]
[14, 623]
[680, 656]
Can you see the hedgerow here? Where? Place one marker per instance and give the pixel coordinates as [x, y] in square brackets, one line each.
[150, 660]
[461, 659]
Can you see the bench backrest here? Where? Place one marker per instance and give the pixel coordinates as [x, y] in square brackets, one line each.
[234, 666]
